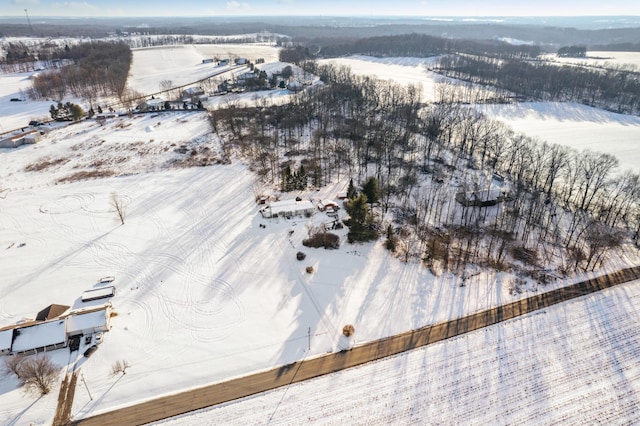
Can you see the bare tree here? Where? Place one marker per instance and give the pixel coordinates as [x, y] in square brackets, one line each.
[118, 367]
[38, 374]
[12, 365]
[118, 204]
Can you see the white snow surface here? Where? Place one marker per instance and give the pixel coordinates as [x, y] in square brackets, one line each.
[205, 294]
[575, 125]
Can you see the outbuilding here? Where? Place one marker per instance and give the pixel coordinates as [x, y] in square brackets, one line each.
[89, 321]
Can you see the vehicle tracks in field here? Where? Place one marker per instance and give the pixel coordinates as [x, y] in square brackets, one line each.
[181, 403]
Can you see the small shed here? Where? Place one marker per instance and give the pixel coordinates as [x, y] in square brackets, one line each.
[288, 209]
[42, 337]
[98, 293]
[328, 205]
[484, 198]
[89, 321]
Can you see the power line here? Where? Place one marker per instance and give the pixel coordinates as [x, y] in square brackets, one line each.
[29, 21]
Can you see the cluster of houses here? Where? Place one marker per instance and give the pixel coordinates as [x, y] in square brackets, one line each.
[57, 325]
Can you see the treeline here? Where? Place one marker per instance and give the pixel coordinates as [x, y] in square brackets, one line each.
[559, 203]
[93, 69]
[412, 45]
[421, 45]
[617, 47]
[612, 89]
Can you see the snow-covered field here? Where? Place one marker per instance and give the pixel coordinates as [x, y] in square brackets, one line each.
[183, 64]
[205, 294]
[575, 125]
[574, 363]
[400, 70]
[599, 58]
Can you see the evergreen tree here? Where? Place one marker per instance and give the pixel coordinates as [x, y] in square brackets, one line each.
[392, 241]
[371, 189]
[301, 179]
[351, 190]
[287, 179]
[360, 222]
[200, 106]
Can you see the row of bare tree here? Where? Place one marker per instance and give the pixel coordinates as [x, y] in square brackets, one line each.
[560, 206]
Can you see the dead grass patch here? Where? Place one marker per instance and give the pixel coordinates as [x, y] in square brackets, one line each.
[86, 175]
[45, 164]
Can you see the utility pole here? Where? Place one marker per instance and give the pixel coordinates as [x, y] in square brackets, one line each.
[85, 385]
[309, 333]
[29, 21]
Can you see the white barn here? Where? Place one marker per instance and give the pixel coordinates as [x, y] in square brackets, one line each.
[40, 337]
[288, 209]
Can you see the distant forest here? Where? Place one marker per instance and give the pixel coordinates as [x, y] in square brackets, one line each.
[86, 70]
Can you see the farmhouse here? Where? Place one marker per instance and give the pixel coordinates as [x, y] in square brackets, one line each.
[151, 105]
[288, 209]
[191, 93]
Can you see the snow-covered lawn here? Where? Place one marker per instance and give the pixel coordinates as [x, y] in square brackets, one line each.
[571, 363]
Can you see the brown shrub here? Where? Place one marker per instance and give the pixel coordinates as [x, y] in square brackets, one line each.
[322, 239]
[310, 269]
[348, 330]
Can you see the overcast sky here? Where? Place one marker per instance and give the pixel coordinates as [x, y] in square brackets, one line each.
[320, 7]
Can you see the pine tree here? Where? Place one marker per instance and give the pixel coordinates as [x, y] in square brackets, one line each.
[371, 189]
[360, 222]
[392, 241]
[351, 190]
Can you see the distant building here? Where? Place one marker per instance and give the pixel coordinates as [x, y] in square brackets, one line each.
[294, 86]
[21, 138]
[484, 198]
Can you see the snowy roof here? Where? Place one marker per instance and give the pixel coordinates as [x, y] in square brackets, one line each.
[196, 90]
[99, 293]
[84, 321]
[40, 335]
[290, 206]
[5, 339]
